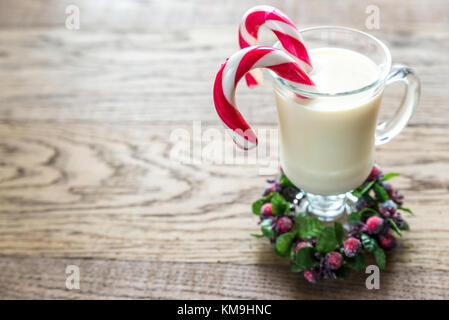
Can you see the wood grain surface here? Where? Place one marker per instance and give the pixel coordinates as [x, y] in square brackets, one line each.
[88, 177]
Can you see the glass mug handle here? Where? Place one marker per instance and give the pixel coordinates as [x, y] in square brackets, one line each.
[387, 130]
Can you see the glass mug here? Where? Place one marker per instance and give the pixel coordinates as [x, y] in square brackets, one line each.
[329, 152]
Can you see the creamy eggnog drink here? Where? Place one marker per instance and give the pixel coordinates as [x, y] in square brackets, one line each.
[327, 143]
[328, 132]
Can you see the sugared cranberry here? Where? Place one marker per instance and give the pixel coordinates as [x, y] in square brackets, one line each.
[352, 247]
[398, 198]
[302, 245]
[392, 193]
[375, 173]
[362, 203]
[289, 193]
[334, 260]
[388, 187]
[266, 209]
[310, 276]
[285, 224]
[387, 241]
[388, 208]
[269, 189]
[374, 224]
[398, 220]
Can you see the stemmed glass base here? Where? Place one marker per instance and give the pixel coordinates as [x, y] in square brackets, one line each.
[325, 208]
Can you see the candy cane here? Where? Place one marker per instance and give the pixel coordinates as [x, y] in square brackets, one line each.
[234, 69]
[282, 27]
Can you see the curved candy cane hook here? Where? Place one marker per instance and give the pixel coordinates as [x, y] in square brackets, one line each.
[234, 69]
[284, 29]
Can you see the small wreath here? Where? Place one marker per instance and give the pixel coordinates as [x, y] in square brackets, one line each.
[329, 252]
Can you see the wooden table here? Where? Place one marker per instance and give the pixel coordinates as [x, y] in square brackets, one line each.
[88, 177]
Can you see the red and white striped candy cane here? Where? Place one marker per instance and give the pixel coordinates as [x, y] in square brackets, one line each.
[234, 69]
[282, 27]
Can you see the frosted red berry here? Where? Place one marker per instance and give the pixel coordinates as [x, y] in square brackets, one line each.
[362, 203]
[352, 247]
[302, 245]
[387, 241]
[334, 260]
[374, 224]
[375, 173]
[285, 224]
[393, 194]
[310, 276]
[270, 189]
[389, 188]
[398, 198]
[266, 209]
[388, 208]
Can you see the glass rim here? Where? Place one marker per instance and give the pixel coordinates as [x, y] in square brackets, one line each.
[380, 79]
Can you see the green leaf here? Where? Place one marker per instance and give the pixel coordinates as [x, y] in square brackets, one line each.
[380, 257]
[370, 244]
[356, 263]
[305, 258]
[327, 240]
[257, 205]
[356, 193]
[367, 188]
[395, 227]
[292, 253]
[308, 227]
[340, 232]
[404, 226]
[363, 189]
[354, 217]
[381, 193]
[258, 236]
[295, 267]
[279, 205]
[283, 243]
[267, 229]
[285, 182]
[406, 210]
[371, 212]
[390, 175]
